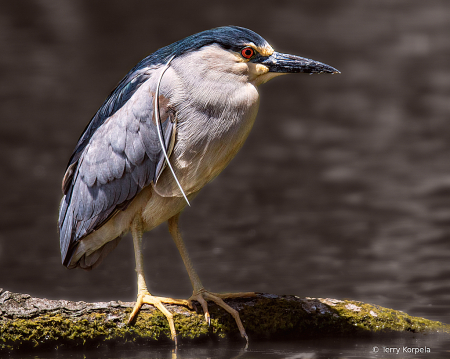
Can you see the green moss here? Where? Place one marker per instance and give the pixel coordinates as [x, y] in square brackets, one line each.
[375, 319]
[94, 328]
[268, 317]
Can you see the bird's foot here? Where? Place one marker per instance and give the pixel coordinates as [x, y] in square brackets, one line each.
[144, 297]
[203, 295]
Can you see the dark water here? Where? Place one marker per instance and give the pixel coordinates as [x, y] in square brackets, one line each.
[418, 347]
[342, 189]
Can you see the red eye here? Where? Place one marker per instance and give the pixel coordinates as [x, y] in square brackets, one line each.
[247, 52]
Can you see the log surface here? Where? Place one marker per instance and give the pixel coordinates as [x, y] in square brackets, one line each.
[35, 323]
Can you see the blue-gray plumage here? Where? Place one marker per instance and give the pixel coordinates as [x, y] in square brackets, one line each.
[116, 179]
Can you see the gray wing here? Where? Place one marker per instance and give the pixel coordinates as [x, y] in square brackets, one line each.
[122, 157]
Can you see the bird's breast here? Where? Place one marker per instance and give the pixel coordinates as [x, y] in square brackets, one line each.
[212, 127]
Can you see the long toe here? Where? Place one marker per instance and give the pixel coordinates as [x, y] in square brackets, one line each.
[203, 295]
[147, 298]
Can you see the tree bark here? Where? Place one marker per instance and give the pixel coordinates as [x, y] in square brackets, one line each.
[34, 323]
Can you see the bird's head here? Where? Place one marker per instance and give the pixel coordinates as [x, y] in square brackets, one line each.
[239, 51]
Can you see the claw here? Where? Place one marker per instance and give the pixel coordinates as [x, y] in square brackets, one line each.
[191, 305]
[208, 319]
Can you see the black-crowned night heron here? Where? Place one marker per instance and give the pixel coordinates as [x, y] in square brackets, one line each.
[171, 126]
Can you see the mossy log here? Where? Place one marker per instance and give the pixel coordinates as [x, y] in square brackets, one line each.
[34, 323]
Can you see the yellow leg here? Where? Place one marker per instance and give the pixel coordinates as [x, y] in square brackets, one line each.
[200, 294]
[144, 296]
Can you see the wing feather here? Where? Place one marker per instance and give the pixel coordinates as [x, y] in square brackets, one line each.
[118, 140]
[134, 149]
[120, 159]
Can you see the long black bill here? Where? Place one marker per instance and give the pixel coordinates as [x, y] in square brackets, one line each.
[285, 63]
